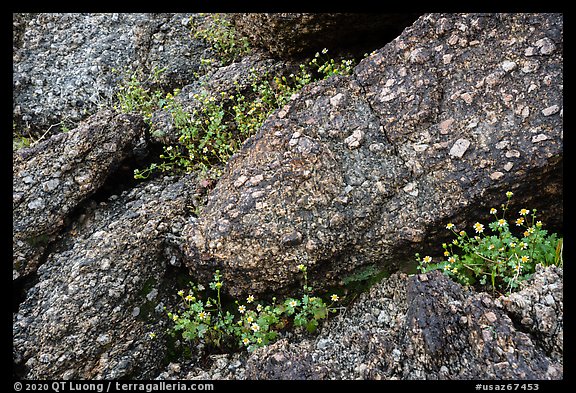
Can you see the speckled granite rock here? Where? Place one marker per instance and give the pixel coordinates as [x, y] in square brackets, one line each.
[56, 175]
[427, 327]
[100, 296]
[63, 64]
[538, 309]
[368, 169]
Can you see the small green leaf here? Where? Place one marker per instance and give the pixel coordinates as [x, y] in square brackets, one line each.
[312, 325]
[320, 313]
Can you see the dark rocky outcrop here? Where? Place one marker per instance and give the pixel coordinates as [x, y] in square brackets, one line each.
[287, 35]
[415, 327]
[98, 298]
[538, 310]
[367, 170]
[427, 327]
[55, 176]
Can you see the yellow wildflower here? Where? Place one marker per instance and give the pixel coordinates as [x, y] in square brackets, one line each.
[479, 228]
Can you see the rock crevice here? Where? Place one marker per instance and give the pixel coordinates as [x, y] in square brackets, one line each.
[52, 178]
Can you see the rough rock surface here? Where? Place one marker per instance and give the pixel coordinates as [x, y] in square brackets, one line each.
[415, 327]
[56, 175]
[356, 171]
[95, 303]
[424, 327]
[434, 127]
[290, 34]
[63, 63]
[538, 310]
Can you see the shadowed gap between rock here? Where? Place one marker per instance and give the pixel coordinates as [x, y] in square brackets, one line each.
[120, 180]
[22, 285]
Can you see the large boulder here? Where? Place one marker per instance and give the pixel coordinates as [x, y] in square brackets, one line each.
[428, 327]
[65, 66]
[368, 169]
[298, 34]
[101, 294]
[51, 179]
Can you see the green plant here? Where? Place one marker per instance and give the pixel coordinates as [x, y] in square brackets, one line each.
[19, 141]
[501, 258]
[205, 137]
[273, 92]
[133, 96]
[210, 134]
[328, 67]
[221, 35]
[363, 278]
[251, 324]
[308, 310]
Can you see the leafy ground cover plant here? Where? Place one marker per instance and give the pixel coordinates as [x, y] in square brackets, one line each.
[202, 316]
[210, 134]
[495, 256]
[221, 35]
